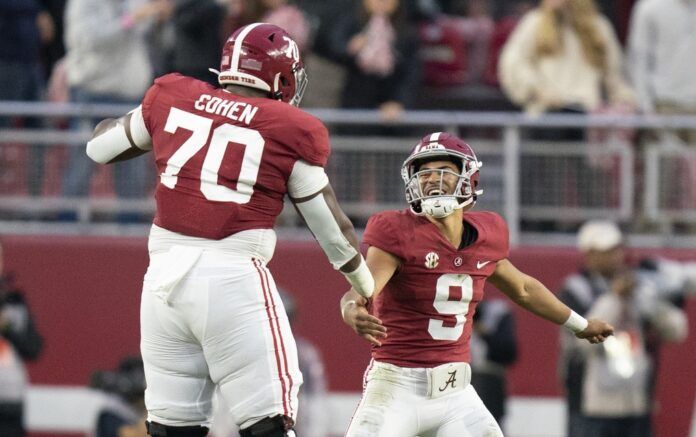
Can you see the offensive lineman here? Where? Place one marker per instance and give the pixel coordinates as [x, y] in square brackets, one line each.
[210, 314]
[430, 264]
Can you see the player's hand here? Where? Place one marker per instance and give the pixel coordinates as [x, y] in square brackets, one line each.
[363, 323]
[596, 332]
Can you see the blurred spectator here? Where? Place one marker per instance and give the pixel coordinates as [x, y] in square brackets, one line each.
[107, 62]
[563, 56]
[197, 28]
[312, 420]
[661, 48]
[325, 71]
[379, 48]
[675, 280]
[493, 349]
[662, 43]
[454, 47]
[53, 48]
[609, 390]
[123, 412]
[24, 27]
[19, 341]
[510, 16]
[282, 13]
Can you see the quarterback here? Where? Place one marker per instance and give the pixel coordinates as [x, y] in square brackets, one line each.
[430, 263]
[211, 317]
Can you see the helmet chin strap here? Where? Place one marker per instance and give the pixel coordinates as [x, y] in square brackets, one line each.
[442, 206]
[439, 207]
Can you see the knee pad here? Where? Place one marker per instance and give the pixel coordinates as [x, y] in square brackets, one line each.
[276, 426]
[158, 430]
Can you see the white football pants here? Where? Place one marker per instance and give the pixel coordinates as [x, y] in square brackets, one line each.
[212, 318]
[395, 403]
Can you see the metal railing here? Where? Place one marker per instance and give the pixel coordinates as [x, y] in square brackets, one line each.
[525, 179]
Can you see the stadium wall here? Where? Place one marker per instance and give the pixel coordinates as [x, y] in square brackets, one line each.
[85, 291]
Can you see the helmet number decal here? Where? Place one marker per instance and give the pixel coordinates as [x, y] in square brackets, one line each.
[292, 51]
[453, 294]
[222, 136]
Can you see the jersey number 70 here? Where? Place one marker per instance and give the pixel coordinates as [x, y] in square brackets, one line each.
[222, 136]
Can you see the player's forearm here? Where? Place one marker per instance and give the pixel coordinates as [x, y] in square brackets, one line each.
[538, 299]
[335, 234]
[348, 231]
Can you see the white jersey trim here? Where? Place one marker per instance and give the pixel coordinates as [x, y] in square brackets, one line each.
[252, 243]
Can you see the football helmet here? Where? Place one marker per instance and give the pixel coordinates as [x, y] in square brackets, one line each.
[438, 202]
[265, 57]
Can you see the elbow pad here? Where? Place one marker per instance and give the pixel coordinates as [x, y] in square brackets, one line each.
[323, 225]
[116, 139]
[109, 144]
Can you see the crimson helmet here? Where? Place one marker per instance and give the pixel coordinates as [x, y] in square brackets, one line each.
[263, 56]
[446, 147]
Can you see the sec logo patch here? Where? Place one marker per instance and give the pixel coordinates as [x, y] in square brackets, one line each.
[431, 260]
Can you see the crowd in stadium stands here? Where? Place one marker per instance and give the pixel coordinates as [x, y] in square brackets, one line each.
[558, 56]
[389, 47]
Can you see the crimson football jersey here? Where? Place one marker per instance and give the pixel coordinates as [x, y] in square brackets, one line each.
[224, 160]
[429, 303]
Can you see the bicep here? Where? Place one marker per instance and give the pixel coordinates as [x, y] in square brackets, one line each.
[508, 279]
[382, 265]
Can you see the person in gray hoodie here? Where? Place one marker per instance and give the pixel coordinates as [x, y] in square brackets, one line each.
[107, 62]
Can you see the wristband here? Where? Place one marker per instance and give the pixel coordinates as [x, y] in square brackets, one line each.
[361, 279]
[344, 306]
[575, 322]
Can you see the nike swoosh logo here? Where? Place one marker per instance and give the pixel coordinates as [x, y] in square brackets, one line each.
[480, 264]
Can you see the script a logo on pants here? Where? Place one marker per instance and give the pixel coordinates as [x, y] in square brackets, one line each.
[452, 379]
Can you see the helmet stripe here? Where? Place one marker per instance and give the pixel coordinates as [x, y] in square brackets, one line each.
[435, 136]
[234, 65]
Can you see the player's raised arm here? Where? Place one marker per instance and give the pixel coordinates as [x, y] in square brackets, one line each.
[315, 201]
[532, 295]
[120, 139]
[354, 312]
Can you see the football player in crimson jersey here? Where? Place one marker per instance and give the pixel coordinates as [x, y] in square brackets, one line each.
[430, 263]
[211, 316]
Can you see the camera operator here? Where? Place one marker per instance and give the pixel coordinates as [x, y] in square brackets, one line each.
[19, 342]
[123, 412]
[610, 389]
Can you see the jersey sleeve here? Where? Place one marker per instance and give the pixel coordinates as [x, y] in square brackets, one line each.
[309, 138]
[499, 236]
[382, 232]
[154, 94]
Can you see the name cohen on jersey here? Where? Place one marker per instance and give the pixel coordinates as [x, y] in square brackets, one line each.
[237, 111]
